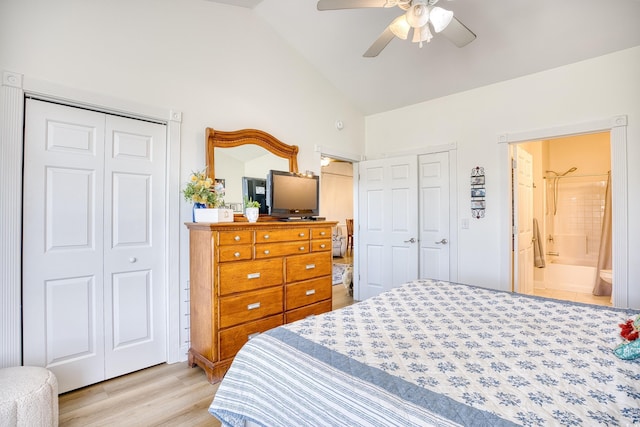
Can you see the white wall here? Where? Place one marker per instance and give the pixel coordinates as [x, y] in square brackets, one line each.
[336, 193]
[596, 89]
[219, 65]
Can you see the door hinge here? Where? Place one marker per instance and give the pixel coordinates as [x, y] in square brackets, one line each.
[514, 163]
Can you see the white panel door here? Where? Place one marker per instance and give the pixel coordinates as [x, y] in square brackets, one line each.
[134, 248]
[388, 224]
[523, 196]
[70, 224]
[63, 243]
[433, 172]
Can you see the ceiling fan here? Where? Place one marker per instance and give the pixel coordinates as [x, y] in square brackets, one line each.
[418, 14]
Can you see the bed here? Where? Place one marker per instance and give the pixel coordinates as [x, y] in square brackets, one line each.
[437, 353]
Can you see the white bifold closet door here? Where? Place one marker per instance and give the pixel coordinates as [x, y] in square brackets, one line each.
[94, 227]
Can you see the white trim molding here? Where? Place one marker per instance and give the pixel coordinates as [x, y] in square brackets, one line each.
[617, 128]
[11, 120]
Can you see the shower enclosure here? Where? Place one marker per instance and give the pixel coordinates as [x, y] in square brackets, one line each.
[575, 205]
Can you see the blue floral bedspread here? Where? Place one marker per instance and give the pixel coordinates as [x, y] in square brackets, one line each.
[438, 353]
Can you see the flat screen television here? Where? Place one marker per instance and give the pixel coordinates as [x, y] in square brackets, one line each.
[293, 196]
[256, 190]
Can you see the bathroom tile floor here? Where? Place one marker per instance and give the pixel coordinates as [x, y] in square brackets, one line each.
[572, 296]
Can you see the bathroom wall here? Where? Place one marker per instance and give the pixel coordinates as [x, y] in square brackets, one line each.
[576, 226]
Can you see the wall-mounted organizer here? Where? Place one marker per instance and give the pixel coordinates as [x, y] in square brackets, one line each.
[478, 192]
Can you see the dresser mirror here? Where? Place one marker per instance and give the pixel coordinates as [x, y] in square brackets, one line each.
[245, 153]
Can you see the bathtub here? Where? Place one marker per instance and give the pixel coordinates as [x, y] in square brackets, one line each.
[568, 277]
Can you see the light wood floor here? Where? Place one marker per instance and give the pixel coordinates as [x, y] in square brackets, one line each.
[164, 395]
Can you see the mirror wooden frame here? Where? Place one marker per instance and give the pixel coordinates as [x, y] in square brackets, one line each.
[221, 139]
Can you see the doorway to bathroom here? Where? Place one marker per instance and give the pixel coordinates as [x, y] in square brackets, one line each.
[564, 209]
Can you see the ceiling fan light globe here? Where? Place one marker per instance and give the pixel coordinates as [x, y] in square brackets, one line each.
[422, 34]
[400, 27]
[417, 15]
[440, 18]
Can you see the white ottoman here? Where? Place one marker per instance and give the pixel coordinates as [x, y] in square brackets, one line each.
[28, 397]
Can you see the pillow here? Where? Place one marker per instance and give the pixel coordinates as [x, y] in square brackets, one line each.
[628, 350]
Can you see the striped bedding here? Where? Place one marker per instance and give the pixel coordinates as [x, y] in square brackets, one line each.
[441, 354]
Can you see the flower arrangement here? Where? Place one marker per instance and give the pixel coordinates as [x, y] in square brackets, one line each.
[202, 190]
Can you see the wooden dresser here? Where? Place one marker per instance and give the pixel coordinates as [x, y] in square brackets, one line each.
[246, 278]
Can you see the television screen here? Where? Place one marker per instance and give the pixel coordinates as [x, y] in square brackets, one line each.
[291, 195]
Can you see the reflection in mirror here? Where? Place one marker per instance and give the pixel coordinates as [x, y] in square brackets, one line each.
[232, 164]
[245, 153]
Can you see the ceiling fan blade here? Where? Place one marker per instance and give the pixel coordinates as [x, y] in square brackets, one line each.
[351, 4]
[458, 33]
[381, 42]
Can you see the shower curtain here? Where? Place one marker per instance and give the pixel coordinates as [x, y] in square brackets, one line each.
[602, 288]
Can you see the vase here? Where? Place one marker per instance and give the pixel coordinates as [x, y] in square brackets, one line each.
[193, 210]
[252, 214]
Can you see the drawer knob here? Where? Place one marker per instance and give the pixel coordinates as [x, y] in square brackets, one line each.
[253, 306]
[253, 275]
[266, 236]
[237, 254]
[310, 266]
[322, 246]
[311, 292]
[267, 252]
[253, 335]
[322, 233]
[301, 234]
[301, 248]
[236, 238]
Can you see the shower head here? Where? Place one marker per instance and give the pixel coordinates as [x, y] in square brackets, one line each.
[573, 169]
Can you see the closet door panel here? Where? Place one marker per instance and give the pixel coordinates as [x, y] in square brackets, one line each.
[135, 304]
[63, 243]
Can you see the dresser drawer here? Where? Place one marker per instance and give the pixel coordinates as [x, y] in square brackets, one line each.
[284, 235]
[307, 292]
[320, 245]
[303, 267]
[248, 275]
[249, 306]
[235, 253]
[301, 313]
[321, 233]
[233, 338]
[241, 237]
[268, 250]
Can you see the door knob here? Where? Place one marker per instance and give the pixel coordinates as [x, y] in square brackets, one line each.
[411, 240]
[442, 242]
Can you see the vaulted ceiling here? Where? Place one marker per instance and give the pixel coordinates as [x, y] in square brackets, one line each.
[514, 38]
